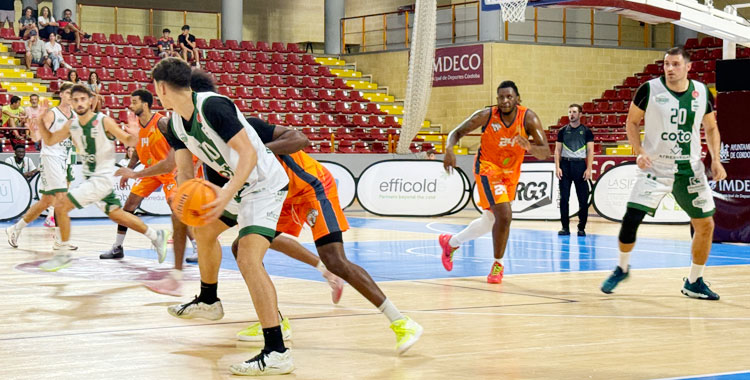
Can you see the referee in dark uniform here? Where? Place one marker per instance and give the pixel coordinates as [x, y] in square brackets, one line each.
[574, 158]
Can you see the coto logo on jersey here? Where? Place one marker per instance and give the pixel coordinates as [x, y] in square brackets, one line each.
[679, 136]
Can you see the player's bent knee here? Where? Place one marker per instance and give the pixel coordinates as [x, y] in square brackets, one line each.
[703, 225]
[630, 223]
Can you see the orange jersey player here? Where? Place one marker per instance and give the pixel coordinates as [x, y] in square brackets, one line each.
[509, 130]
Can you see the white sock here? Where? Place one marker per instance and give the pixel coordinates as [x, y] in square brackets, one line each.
[624, 260]
[151, 234]
[499, 261]
[21, 224]
[475, 229]
[176, 274]
[321, 267]
[119, 240]
[390, 311]
[696, 272]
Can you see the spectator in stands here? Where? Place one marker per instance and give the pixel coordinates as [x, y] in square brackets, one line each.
[14, 117]
[22, 163]
[7, 13]
[574, 160]
[33, 4]
[35, 51]
[188, 46]
[54, 52]
[73, 77]
[46, 24]
[94, 85]
[70, 31]
[165, 44]
[26, 23]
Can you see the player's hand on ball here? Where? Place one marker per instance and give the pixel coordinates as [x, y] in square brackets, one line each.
[522, 142]
[718, 171]
[643, 161]
[215, 208]
[449, 161]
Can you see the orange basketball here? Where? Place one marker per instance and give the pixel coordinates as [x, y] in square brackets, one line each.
[188, 200]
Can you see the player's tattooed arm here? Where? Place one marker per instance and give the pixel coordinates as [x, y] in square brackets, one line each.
[476, 120]
[537, 145]
[287, 140]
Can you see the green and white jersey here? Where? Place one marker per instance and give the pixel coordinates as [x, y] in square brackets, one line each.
[209, 143]
[673, 121]
[63, 148]
[95, 146]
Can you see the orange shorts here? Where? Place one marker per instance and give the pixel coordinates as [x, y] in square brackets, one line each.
[494, 190]
[323, 216]
[145, 186]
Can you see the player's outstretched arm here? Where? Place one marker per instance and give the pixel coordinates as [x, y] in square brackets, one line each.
[113, 128]
[713, 141]
[538, 145]
[476, 120]
[287, 140]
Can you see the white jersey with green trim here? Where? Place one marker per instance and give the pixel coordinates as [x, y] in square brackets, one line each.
[206, 144]
[61, 149]
[95, 146]
[673, 122]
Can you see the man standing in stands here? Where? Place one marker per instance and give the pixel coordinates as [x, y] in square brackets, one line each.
[574, 160]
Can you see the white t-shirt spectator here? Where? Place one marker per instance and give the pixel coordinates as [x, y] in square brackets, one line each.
[55, 49]
[43, 21]
[26, 165]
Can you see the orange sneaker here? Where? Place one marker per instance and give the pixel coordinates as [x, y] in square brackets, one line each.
[496, 274]
[447, 256]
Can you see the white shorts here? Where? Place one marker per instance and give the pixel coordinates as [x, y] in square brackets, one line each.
[257, 213]
[97, 190]
[53, 175]
[686, 181]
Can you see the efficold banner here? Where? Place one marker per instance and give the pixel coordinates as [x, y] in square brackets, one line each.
[345, 183]
[412, 188]
[612, 192]
[15, 193]
[537, 193]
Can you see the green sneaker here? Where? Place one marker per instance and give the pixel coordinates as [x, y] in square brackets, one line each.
[254, 332]
[407, 333]
[615, 278]
[699, 290]
[59, 261]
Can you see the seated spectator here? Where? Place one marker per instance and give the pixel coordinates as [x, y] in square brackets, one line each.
[188, 46]
[69, 31]
[7, 13]
[22, 163]
[26, 23]
[33, 4]
[14, 117]
[125, 161]
[46, 24]
[35, 51]
[95, 86]
[165, 44]
[73, 77]
[54, 52]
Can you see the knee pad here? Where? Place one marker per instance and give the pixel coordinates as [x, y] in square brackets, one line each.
[630, 222]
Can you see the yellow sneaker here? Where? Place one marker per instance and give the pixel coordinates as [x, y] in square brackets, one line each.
[254, 332]
[407, 333]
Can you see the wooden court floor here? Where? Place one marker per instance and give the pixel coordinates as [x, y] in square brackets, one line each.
[100, 323]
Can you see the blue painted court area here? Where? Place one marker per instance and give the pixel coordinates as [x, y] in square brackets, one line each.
[744, 375]
[529, 251]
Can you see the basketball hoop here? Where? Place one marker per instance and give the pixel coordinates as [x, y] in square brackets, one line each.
[512, 10]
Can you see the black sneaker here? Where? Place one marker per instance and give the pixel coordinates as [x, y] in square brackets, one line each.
[114, 253]
[581, 233]
[564, 232]
[191, 259]
[698, 290]
[615, 278]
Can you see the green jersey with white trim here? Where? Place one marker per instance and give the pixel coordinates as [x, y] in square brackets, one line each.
[95, 146]
[673, 122]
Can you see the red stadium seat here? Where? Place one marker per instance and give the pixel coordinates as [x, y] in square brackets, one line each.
[327, 120]
[99, 38]
[325, 147]
[378, 147]
[232, 45]
[116, 88]
[263, 46]
[90, 62]
[325, 133]
[45, 73]
[326, 83]
[323, 71]
[242, 105]
[116, 39]
[214, 55]
[224, 90]
[136, 40]
[292, 70]
[231, 56]
[201, 43]
[293, 106]
[309, 60]
[293, 120]
[245, 68]
[143, 64]
[248, 46]
[230, 68]
[258, 106]
[691, 43]
[262, 68]
[126, 63]
[326, 107]
[343, 133]
[341, 84]
[276, 93]
[94, 50]
[294, 59]
[310, 94]
[311, 134]
[216, 44]
[122, 75]
[277, 68]
[308, 119]
[258, 93]
[292, 47]
[18, 47]
[278, 47]
[147, 52]
[227, 80]
[278, 58]
[243, 93]
[293, 81]
[112, 51]
[111, 102]
[147, 40]
[293, 93]
[346, 146]
[213, 67]
[376, 121]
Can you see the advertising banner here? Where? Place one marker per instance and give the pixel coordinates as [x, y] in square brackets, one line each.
[458, 66]
[612, 192]
[345, 183]
[411, 188]
[15, 193]
[537, 194]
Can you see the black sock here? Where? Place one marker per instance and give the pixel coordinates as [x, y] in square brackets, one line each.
[274, 339]
[208, 293]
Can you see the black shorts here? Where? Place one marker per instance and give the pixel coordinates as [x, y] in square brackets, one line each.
[68, 36]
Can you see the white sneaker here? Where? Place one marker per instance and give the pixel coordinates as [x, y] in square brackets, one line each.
[264, 364]
[167, 285]
[336, 284]
[59, 246]
[59, 261]
[13, 235]
[197, 309]
[160, 244]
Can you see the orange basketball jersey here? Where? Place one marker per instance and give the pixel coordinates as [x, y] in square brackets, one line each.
[498, 155]
[152, 147]
[308, 178]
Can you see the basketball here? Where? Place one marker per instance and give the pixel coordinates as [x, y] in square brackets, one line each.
[188, 200]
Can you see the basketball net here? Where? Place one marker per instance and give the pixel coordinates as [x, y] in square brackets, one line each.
[419, 81]
[512, 10]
